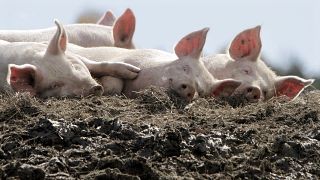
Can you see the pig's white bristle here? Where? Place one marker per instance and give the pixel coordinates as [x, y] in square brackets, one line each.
[206, 29]
[58, 24]
[128, 10]
[56, 21]
[309, 82]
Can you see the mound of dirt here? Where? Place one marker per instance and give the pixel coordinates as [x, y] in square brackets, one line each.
[158, 135]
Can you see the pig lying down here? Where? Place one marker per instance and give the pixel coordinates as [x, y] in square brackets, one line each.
[86, 35]
[47, 70]
[183, 72]
[243, 63]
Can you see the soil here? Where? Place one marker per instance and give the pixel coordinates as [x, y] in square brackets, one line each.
[159, 136]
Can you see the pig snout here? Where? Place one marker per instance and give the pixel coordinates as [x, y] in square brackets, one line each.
[252, 93]
[96, 90]
[187, 91]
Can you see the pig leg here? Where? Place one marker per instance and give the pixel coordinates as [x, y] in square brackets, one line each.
[115, 69]
[111, 85]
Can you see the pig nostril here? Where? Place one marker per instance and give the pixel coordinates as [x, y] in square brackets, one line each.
[96, 90]
[249, 90]
[264, 93]
[184, 86]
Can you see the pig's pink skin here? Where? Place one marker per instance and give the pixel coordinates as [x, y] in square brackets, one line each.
[85, 35]
[45, 70]
[183, 72]
[123, 30]
[243, 63]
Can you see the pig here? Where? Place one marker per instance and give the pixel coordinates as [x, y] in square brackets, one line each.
[86, 35]
[48, 70]
[242, 62]
[182, 72]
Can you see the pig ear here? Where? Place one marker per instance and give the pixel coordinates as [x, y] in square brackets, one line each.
[246, 45]
[291, 86]
[123, 29]
[21, 78]
[58, 43]
[225, 88]
[192, 44]
[107, 19]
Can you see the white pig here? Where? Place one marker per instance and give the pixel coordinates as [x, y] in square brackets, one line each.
[183, 72]
[86, 35]
[47, 70]
[243, 62]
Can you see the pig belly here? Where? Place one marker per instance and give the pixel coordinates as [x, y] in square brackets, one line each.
[136, 85]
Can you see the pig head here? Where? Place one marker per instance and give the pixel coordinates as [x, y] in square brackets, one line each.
[45, 71]
[243, 62]
[191, 69]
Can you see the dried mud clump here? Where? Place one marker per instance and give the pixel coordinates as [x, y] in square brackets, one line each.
[17, 107]
[155, 100]
[159, 136]
[158, 100]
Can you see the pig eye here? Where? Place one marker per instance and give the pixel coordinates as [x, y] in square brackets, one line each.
[184, 86]
[186, 68]
[246, 71]
[264, 93]
[56, 85]
[78, 67]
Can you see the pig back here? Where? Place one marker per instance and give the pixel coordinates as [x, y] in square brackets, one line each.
[85, 35]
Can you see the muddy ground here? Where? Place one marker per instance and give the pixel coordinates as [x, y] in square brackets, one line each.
[158, 136]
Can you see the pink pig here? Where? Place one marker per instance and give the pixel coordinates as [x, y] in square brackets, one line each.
[86, 35]
[243, 63]
[183, 72]
[48, 70]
